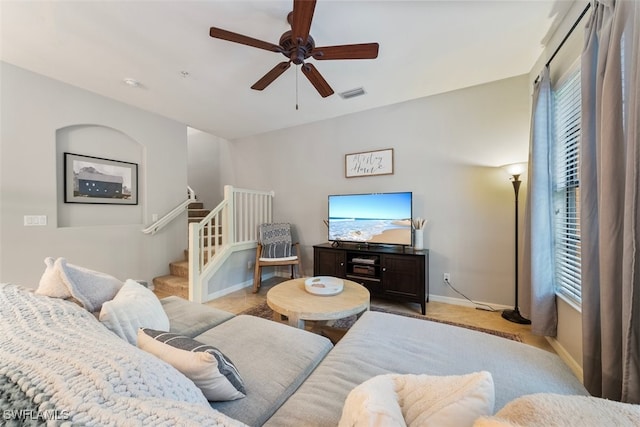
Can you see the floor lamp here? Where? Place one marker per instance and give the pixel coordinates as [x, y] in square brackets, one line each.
[515, 170]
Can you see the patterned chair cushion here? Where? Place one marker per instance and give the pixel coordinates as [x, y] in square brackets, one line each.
[276, 241]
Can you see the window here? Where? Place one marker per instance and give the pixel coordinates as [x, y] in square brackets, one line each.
[566, 186]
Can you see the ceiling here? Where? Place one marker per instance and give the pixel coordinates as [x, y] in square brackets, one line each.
[426, 47]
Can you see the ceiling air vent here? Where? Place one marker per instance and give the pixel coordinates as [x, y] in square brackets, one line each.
[352, 93]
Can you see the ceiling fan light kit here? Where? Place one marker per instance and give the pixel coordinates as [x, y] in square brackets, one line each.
[297, 46]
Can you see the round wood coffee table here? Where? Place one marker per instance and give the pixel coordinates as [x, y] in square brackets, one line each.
[292, 300]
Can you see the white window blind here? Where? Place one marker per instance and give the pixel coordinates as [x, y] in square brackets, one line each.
[567, 111]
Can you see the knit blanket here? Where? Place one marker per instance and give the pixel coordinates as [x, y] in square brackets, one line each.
[60, 366]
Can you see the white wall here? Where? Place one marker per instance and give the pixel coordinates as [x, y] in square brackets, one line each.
[101, 237]
[446, 150]
[234, 274]
[204, 166]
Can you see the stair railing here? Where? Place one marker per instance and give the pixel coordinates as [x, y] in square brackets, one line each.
[231, 226]
[173, 214]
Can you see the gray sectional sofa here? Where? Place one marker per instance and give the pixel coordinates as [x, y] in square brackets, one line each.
[297, 378]
[62, 365]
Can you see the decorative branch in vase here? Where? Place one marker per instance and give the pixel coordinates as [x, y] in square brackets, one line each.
[418, 226]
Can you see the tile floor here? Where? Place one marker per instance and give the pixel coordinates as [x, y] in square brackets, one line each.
[243, 299]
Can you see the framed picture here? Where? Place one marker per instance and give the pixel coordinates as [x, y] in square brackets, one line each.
[100, 181]
[369, 163]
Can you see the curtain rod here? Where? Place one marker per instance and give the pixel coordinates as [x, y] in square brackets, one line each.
[573, 27]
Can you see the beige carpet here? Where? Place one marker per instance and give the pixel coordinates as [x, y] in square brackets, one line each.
[263, 310]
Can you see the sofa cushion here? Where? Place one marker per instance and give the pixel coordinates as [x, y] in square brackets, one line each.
[273, 358]
[205, 365]
[133, 307]
[191, 319]
[548, 409]
[385, 343]
[419, 400]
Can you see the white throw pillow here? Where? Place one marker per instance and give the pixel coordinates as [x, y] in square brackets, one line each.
[133, 307]
[214, 374]
[373, 403]
[63, 280]
[549, 410]
[420, 400]
[51, 283]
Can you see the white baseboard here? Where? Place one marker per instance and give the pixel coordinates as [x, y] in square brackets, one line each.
[236, 287]
[228, 290]
[465, 303]
[566, 358]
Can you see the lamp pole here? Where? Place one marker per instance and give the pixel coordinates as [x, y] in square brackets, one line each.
[514, 315]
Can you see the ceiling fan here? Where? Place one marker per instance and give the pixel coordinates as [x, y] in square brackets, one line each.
[298, 45]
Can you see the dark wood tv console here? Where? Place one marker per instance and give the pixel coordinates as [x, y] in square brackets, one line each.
[386, 271]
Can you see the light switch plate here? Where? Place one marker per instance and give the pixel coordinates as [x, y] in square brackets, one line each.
[35, 220]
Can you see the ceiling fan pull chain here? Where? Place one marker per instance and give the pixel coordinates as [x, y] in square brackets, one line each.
[297, 70]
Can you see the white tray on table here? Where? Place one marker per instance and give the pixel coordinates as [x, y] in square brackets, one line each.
[324, 285]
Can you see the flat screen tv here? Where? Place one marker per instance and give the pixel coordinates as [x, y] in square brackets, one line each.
[376, 218]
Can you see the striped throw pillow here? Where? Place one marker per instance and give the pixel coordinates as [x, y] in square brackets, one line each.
[212, 371]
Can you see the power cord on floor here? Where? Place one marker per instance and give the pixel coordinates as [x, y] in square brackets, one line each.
[479, 306]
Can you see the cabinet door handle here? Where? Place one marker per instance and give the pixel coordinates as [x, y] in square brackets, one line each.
[342, 264]
[384, 268]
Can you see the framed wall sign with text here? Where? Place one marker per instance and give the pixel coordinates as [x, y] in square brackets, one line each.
[369, 163]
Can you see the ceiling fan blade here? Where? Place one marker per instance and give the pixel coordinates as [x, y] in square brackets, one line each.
[317, 80]
[301, 20]
[273, 74]
[348, 51]
[219, 33]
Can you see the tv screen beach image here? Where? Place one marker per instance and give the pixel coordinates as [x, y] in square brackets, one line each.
[383, 218]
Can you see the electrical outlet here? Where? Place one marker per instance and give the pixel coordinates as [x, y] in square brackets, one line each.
[446, 277]
[250, 265]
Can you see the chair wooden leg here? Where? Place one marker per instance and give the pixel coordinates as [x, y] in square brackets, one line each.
[299, 264]
[257, 278]
[257, 272]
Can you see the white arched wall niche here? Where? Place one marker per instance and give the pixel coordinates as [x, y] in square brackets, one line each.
[98, 141]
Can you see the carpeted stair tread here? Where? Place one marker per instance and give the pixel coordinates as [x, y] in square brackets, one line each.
[177, 282]
[172, 285]
[179, 268]
[198, 213]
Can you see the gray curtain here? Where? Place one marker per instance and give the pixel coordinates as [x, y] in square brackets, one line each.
[610, 199]
[538, 299]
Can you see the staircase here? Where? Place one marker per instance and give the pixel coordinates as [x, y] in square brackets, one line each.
[177, 281]
[214, 236]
